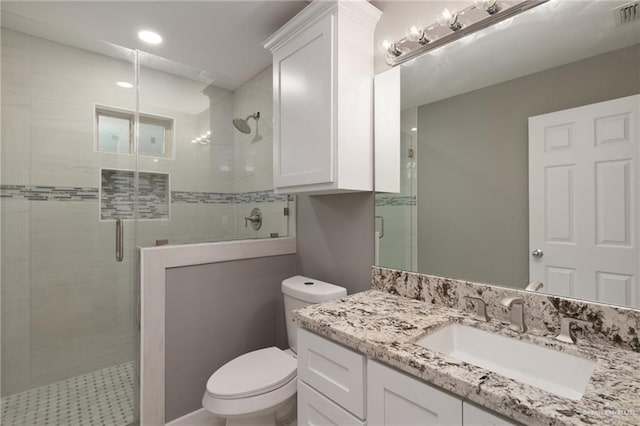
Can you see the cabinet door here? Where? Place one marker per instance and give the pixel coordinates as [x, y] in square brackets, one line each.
[476, 416]
[395, 399]
[303, 149]
[316, 409]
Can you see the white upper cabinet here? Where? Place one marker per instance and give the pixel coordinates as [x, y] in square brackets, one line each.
[323, 98]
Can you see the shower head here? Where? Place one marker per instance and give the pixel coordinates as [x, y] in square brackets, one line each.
[243, 125]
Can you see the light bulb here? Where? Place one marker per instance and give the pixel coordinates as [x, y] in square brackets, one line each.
[449, 19]
[490, 6]
[208, 132]
[384, 46]
[416, 33]
[194, 141]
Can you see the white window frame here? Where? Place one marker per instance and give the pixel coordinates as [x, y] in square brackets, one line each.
[166, 122]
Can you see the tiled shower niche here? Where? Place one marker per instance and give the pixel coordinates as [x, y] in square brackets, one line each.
[117, 195]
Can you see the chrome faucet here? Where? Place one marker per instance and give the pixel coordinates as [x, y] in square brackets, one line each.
[516, 314]
[480, 308]
[534, 286]
[566, 335]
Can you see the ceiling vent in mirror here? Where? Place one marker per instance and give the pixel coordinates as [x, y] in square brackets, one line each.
[626, 13]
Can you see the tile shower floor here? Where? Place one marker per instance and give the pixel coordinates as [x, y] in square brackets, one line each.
[103, 397]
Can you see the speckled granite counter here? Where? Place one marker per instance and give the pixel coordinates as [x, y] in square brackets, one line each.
[384, 327]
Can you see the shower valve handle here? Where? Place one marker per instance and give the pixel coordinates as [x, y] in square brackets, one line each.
[255, 218]
[252, 219]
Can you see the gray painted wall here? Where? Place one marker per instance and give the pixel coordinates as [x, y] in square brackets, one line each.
[473, 165]
[335, 238]
[214, 313]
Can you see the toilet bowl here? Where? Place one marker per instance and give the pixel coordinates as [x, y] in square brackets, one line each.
[256, 388]
[259, 387]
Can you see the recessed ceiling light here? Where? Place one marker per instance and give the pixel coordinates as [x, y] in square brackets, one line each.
[150, 37]
[124, 84]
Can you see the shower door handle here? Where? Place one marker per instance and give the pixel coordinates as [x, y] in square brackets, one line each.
[119, 240]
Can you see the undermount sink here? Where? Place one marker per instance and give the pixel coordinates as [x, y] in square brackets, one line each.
[556, 372]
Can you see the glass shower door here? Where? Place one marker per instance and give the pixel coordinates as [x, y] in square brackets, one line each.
[69, 166]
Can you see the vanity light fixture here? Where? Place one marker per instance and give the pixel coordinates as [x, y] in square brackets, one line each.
[150, 37]
[480, 15]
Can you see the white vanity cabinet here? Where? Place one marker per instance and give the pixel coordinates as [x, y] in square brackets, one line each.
[394, 398]
[323, 98]
[473, 415]
[337, 385]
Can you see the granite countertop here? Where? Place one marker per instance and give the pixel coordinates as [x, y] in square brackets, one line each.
[384, 327]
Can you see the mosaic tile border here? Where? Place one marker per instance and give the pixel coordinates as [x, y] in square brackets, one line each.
[396, 200]
[48, 193]
[52, 193]
[615, 325]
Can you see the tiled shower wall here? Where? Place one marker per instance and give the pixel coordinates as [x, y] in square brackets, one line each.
[67, 306]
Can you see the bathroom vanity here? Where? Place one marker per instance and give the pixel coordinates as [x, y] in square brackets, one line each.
[349, 388]
[359, 363]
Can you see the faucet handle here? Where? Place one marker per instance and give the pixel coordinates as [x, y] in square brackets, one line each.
[566, 335]
[534, 286]
[509, 301]
[516, 314]
[481, 308]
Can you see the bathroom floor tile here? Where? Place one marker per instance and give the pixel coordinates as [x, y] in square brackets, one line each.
[102, 398]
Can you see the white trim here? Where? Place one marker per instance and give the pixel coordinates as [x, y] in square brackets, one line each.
[153, 263]
[199, 417]
[360, 10]
[134, 142]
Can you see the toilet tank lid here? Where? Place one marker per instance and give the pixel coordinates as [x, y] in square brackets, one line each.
[310, 290]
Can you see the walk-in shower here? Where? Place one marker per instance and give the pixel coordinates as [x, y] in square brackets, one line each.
[93, 134]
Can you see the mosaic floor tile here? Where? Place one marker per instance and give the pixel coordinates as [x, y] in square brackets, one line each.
[101, 398]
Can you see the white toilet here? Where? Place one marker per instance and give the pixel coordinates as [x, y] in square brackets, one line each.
[259, 387]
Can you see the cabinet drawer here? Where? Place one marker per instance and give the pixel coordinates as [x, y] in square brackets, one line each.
[316, 409]
[333, 370]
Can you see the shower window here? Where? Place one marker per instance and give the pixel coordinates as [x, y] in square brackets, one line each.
[115, 133]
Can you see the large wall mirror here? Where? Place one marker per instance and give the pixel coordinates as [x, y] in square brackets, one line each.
[519, 157]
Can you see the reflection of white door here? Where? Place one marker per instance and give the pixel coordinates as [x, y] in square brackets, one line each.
[583, 201]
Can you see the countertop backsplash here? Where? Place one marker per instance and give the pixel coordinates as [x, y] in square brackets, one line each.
[611, 324]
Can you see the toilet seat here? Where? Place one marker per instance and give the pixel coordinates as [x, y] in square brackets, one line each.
[253, 382]
[252, 374]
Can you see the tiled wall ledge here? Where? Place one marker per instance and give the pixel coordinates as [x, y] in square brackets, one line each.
[611, 324]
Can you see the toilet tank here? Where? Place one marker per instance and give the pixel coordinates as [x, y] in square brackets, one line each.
[299, 292]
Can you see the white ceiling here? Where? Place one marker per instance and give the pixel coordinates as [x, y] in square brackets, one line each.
[223, 38]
